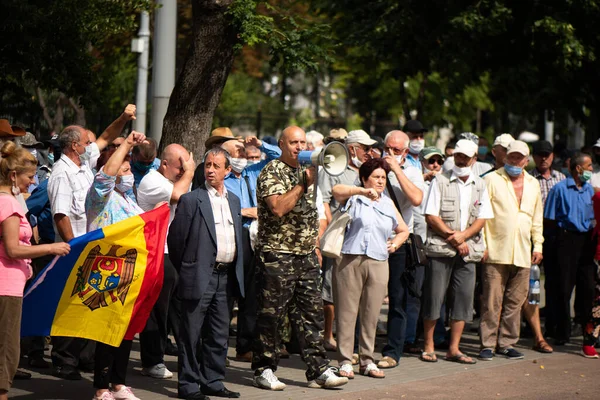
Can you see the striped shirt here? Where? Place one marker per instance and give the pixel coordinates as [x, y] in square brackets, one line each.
[223, 224]
[547, 183]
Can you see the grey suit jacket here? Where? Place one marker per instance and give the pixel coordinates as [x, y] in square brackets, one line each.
[192, 242]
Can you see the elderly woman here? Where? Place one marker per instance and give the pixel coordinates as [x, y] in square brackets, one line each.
[17, 171]
[110, 200]
[360, 278]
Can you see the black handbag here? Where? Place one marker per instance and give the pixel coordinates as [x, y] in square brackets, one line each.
[414, 243]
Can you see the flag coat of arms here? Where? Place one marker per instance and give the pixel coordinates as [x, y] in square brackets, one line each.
[105, 288]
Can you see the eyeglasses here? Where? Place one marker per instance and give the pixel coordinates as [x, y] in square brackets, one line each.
[437, 161]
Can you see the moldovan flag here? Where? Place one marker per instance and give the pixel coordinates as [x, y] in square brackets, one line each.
[105, 288]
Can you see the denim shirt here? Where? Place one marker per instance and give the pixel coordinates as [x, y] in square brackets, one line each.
[373, 223]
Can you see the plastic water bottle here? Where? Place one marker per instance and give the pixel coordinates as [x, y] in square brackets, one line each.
[534, 285]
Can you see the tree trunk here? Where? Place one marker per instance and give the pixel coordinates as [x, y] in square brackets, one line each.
[199, 86]
[79, 112]
[421, 97]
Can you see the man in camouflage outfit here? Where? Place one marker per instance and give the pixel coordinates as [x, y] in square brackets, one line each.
[287, 268]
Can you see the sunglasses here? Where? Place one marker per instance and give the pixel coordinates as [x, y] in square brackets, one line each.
[437, 161]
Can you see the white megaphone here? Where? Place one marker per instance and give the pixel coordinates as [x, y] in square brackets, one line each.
[333, 158]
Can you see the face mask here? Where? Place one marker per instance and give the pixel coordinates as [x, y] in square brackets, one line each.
[415, 146]
[482, 150]
[51, 158]
[461, 172]
[399, 159]
[140, 167]
[565, 171]
[87, 155]
[357, 163]
[251, 162]
[126, 183]
[33, 152]
[513, 171]
[238, 164]
[585, 176]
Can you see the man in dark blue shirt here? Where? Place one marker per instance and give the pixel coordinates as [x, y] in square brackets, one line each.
[569, 208]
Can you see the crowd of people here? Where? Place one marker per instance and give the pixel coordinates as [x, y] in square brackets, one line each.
[245, 229]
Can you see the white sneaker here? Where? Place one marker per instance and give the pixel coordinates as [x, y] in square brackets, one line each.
[268, 380]
[329, 379]
[105, 396]
[124, 394]
[159, 371]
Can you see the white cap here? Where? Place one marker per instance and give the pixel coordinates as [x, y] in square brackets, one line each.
[597, 144]
[517, 146]
[504, 140]
[466, 147]
[360, 136]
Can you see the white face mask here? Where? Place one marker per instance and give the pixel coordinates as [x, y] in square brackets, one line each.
[87, 155]
[126, 183]
[399, 159]
[461, 172]
[416, 145]
[238, 164]
[357, 163]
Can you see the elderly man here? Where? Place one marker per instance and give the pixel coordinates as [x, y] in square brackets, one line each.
[569, 208]
[314, 140]
[499, 151]
[143, 159]
[456, 210]
[167, 184]
[253, 154]
[407, 187]
[288, 270]
[241, 181]
[479, 168]
[416, 135]
[205, 239]
[510, 235]
[68, 185]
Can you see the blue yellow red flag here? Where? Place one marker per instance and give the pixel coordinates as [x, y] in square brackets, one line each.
[105, 288]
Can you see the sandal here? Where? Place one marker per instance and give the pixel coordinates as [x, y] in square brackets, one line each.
[347, 371]
[386, 362]
[428, 357]
[543, 347]
[372, 371]
[461, 359]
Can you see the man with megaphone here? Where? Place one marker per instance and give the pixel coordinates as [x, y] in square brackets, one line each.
[287, 265]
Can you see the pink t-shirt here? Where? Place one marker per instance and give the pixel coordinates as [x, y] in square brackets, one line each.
[13, 272]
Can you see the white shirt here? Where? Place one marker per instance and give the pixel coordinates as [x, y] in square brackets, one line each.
[153, 189]
[223, 224]
[68, 186]
[406, 207]
[465, 190]
[479, 168]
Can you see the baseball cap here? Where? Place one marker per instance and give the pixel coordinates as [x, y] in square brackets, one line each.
[414, 126]
[517, 146]
[429, 152]
[542, 147]
[466, 147]
[503, 140]
[469, 136]
[361, 137]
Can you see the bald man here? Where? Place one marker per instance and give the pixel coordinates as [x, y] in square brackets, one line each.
[287, 272]
[172, 180]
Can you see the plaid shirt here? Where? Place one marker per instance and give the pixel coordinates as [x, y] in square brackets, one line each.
[547, 183]
[223, 224]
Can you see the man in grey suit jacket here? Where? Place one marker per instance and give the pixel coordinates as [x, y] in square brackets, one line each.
[205, 242]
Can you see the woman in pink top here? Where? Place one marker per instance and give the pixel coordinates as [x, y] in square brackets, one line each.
[17, 169]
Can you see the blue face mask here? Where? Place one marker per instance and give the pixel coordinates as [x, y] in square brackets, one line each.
[141, 167]
[51, 158]
[482, 150]
[512, 170]
[565, 171]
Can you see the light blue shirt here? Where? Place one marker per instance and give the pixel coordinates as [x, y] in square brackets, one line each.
[413, 162]
[373, 223]
[239, 187]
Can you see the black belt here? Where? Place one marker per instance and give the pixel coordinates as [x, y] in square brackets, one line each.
[222, 267]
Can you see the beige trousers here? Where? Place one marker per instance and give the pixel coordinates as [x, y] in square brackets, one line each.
[359, 287]
[10, 339]
[505, 289]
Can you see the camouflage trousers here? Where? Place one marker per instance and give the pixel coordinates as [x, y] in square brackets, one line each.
[289, 284]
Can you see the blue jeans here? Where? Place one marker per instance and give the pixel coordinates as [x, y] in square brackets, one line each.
[397, 315]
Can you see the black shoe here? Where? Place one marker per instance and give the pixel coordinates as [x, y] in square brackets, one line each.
[38, 362]
[171, 350]
[22, 375]
[221, 393]
[560, 342]
[194, 396]
[86, 368]
[68, 373]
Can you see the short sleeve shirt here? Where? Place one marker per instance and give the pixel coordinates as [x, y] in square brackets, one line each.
[297, 231]
[406, 207]
[153, 189]
[14, 272]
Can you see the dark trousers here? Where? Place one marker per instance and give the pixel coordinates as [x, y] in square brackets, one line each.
[289, 282]
[206, 319]
[111, 364]
[34, 346]
[551, 280]
[246, 323]
[397, 315]
[153, 339]
[574, 267]
[413, 309]
[70, 352]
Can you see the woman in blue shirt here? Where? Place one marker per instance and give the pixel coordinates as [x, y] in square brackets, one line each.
[360, 277]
